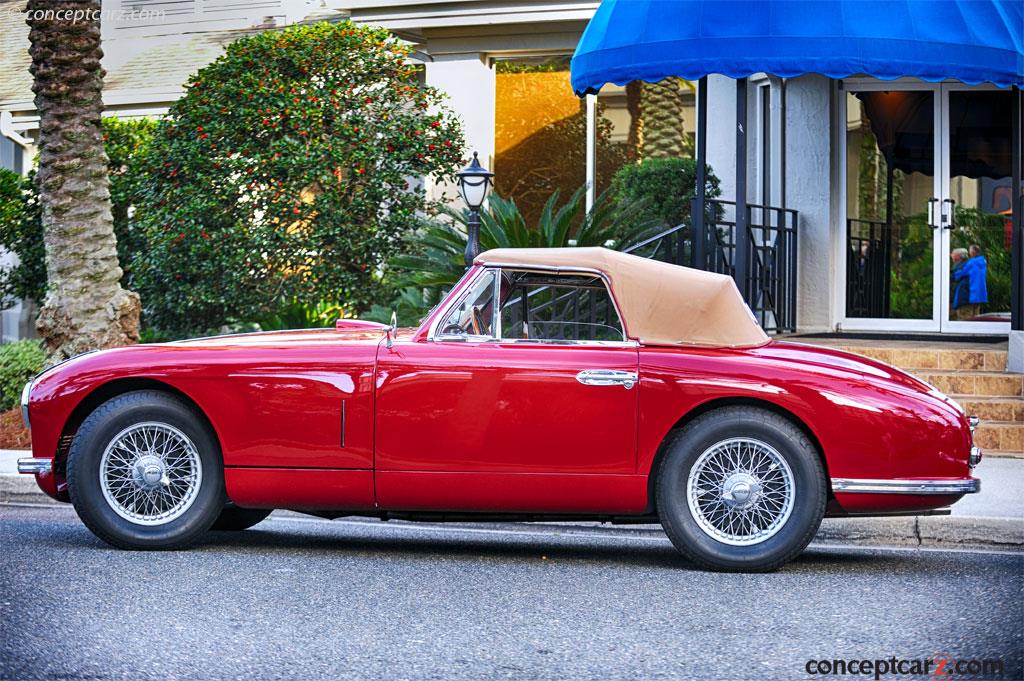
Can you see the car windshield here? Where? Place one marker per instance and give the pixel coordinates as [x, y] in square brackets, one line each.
[473, 316]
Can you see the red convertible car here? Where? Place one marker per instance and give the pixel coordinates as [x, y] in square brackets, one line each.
[575, 383]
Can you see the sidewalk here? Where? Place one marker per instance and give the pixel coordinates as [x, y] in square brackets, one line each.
[994, 518]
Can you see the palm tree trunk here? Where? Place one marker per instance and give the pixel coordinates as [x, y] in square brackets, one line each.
[634, 105]
[662, 106]
[85, 306]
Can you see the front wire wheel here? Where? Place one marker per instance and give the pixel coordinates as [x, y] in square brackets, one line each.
[150, 473]
[144, 471]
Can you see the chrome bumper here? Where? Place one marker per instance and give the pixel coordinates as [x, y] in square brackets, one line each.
[975, 457]
[855, 486]
[35, 466]
[26, 393]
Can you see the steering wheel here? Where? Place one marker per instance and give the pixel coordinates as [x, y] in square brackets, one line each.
[474, 319]
[452, 329]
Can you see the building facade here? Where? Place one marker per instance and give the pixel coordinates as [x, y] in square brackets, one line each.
[888, 181]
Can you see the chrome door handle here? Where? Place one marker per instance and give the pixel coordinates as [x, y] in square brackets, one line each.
[949, 221]
[931, 212]
[626, 379]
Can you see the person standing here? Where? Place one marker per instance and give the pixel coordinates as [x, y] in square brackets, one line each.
[960, 292]
[975, 272]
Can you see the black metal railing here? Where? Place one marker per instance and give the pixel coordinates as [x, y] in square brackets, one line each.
[868, 277]
[770, 283]
[769, 286]
[674, 245]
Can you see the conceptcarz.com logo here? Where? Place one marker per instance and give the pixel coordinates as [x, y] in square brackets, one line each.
[935, 667]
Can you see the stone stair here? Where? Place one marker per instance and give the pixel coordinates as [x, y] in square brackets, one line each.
[973, 375]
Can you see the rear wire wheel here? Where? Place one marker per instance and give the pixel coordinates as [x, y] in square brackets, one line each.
[740, 489]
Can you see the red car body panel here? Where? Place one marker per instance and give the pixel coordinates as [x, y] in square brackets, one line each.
[274, 400]
[342, 419]
[301, 489]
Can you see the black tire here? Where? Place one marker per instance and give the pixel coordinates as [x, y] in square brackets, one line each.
[685, 446]
[234, 519]
[84, 465]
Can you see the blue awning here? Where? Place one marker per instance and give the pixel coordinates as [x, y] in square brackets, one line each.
[972, 41]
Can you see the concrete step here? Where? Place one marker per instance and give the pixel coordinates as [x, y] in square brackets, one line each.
[1002, 454]
[997, 436]
[913, 358]
[979, 383]
[993, 408]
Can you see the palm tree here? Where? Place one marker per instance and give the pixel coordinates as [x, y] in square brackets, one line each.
[85, 307]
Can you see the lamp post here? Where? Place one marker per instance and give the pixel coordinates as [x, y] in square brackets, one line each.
[474, 181]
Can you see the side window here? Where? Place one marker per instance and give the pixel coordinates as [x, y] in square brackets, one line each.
[474, 315]
[549, 307]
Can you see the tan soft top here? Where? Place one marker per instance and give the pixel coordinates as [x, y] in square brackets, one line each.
[661, 304]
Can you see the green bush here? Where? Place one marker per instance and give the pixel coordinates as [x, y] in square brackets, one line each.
[283, 173]
[295, 314]
[21, 228]
[19, 363]
[665, 185]
[21, 232]
[126, 142]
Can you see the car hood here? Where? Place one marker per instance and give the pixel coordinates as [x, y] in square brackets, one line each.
[278, 339]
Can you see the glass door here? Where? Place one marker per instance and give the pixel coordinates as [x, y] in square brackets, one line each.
[892, 206]
[976, 209]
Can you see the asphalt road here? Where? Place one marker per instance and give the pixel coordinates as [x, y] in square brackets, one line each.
[298, 598]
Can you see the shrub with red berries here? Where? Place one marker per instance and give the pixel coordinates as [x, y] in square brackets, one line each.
[289, 169]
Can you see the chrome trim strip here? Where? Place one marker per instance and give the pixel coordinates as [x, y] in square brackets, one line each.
[35, 466]
[26, 393]
[855, 486]
[556, 341]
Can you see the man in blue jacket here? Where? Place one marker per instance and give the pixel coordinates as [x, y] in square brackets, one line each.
[975, 271]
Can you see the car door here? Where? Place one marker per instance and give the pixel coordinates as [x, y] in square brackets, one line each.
[524, 410]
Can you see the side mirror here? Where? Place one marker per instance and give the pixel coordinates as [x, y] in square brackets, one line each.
[392, 330]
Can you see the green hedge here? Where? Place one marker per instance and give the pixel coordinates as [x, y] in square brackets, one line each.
[665, 185]
[19, 363]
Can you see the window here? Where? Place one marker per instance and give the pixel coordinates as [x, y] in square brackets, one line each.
[535, 307]
[472, 317]
[541, 128]
[546, 307]
[11, 155]
[640, 121]
[539, 132]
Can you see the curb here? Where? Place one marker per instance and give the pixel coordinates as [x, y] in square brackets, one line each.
[22, 489]
[949, 532]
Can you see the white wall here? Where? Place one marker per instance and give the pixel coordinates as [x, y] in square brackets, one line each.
[808, 179]
[469, 81]
[810, 189]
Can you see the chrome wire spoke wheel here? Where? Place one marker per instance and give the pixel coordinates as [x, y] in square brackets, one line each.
[740, 491]
[150, 473]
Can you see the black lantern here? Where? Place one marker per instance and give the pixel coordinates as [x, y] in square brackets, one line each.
[474, 181]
